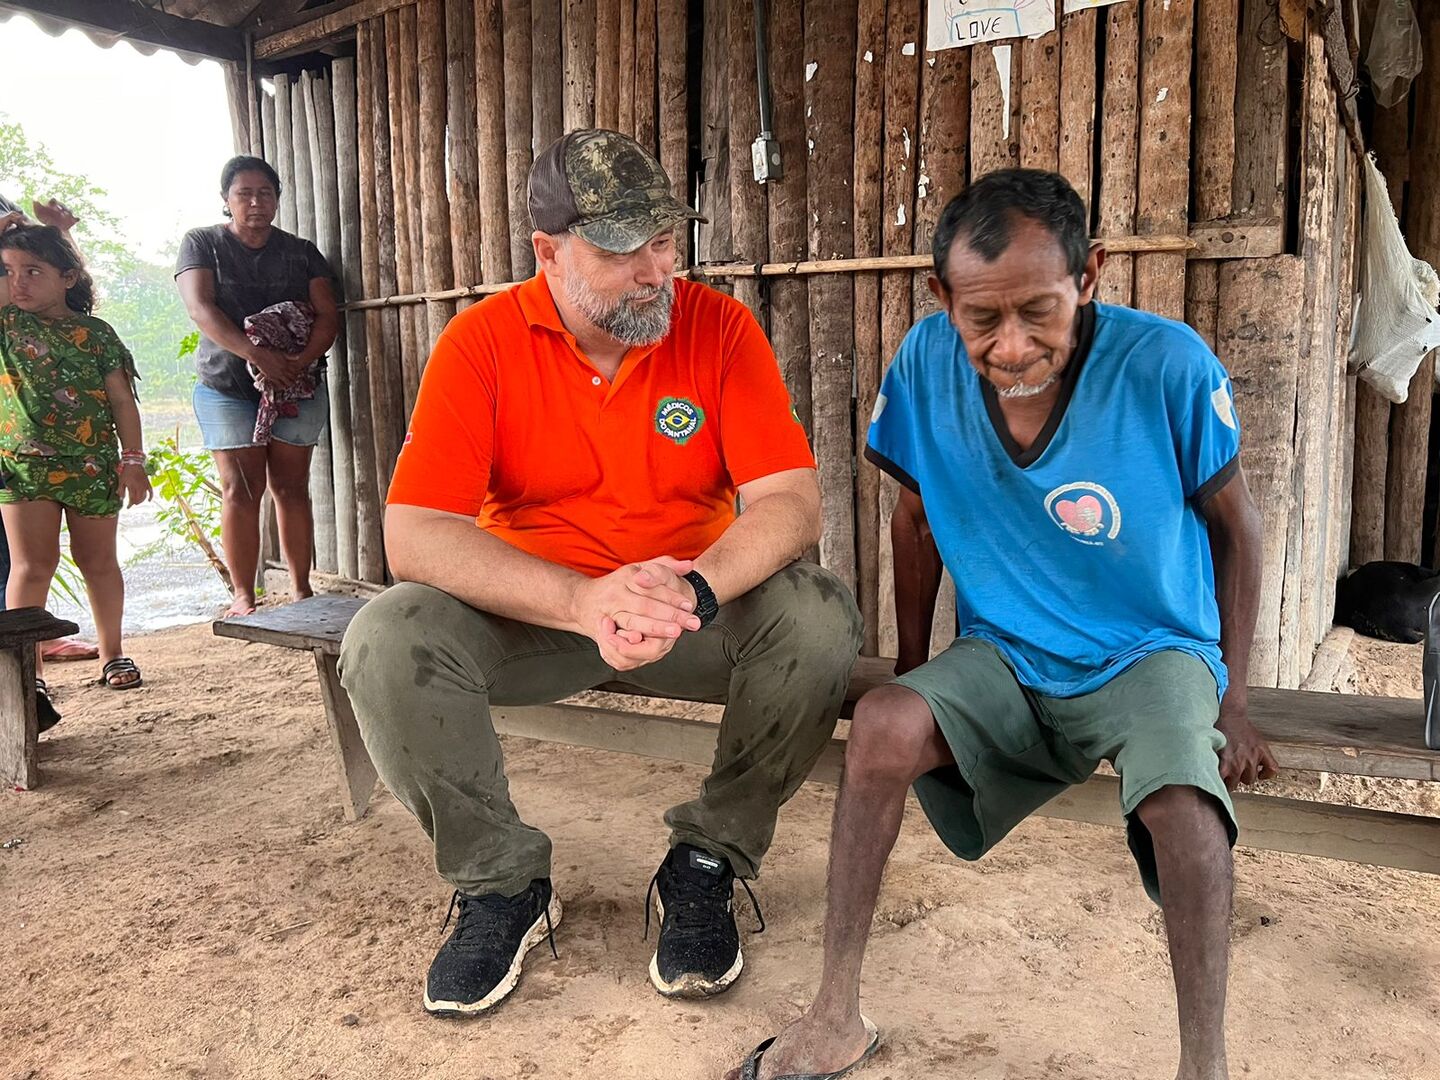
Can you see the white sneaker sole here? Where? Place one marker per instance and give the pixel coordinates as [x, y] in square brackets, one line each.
[691, 984]
[536, 934]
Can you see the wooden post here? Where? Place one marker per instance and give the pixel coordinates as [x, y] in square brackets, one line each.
[626, 89]
[943, 143]
[434, 197]
[607, 64]
[871, 58]
[1119, 134]
[673, 120]
[1258, 341]
[284, 162]
[519, 129]
[716, 240]
[369, 544]
[579, 104]
[240, 98]
[401, 203]
[646, 117]
[267, 129]
[1077, 102]
[830, 31]
[1391, 134]
[490, 61]
[320, 113]
[1164, 170]
[387, 381]
[322, 481]
[748, 199]
[995, 82]
[466, 223]
[790, 299]
[1215, 58]
[548, 71]
[1040, 102]
[418, 349]
[1261, 114]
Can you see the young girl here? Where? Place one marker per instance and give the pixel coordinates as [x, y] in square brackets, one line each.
[66, 391]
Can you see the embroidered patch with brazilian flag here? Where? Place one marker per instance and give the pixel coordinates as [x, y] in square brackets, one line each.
[678, 419]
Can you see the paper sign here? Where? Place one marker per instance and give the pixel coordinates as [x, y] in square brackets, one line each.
[955, 23]
[1085, 5]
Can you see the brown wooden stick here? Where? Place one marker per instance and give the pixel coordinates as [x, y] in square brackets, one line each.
[790, 300]
[1164, 173]
[871, 58]
[1119, 133]
[490, 102]
[748, 199]
[463, 152]
[1040, 102]
[547, 70]
[1262, 111]
[519, 129]
[418, 349]
[1215, 53]
[672, 118]
[284, 161]
[646, 74]
[400, 206]
[434, 196]
[607, 63]
[830, 31]
[1077, 102]
[579, 103]
[626, 88]
[369, 543]
[716, 242]
[387, 380]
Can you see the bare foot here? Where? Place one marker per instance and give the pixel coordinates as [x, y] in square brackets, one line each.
[243, 605]
[300, 592]
[811, 1045]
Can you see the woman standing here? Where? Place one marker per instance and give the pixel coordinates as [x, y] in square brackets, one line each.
[226, 273]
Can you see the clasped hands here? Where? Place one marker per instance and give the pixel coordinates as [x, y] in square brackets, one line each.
[636, 614]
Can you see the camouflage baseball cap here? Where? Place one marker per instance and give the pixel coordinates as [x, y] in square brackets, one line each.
[606, 189]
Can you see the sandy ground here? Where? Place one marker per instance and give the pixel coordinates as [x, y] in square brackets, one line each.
[188, 902]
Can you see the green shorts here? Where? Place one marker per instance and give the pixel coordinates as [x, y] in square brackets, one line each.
[1016, 749]
[89, 485]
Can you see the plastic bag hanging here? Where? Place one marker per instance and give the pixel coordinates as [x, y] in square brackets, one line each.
[1395, 55]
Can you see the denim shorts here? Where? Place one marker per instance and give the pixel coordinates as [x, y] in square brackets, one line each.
[228, 423]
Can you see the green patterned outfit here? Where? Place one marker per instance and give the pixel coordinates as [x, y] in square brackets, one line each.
[57, 432]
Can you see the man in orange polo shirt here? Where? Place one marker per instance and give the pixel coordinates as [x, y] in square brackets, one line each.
[598, 422]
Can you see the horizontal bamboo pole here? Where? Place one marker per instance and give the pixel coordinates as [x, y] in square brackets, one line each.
[781, 269]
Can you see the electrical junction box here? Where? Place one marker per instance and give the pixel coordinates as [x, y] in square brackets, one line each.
[765, 158]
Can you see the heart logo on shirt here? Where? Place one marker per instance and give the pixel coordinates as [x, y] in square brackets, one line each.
[1085, 511]
[1081, 516]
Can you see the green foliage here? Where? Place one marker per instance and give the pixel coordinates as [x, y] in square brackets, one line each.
[137, 296]
[188, 503]
[67, 581]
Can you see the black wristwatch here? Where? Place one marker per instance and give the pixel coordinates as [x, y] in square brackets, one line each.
[705, 606]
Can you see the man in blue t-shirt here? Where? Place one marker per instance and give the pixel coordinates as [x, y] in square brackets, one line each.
[1075, 466]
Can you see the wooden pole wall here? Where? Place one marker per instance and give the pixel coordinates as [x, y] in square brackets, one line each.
[387, 377]
[716, 240]
[579, 55]
[439, 271]
[369, 543]
[520, 129]
[461, 129]
[748, 199]
[490, 100]
[871, 58]
[547, 71]
[417, 348]
[829, 36]
[1119, 132]
[607, 63]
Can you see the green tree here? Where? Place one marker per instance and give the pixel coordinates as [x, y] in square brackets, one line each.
[137, 296]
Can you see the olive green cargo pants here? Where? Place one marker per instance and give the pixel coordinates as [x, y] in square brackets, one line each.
[423, 668]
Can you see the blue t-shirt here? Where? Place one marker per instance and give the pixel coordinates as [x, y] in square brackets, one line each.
[1088, 552]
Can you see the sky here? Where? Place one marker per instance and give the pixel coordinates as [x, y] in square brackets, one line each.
[153, 131]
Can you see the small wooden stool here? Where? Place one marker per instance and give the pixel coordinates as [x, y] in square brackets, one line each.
[20, 630]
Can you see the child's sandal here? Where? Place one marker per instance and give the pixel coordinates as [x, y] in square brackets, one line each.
[45, 713]
[117, 674]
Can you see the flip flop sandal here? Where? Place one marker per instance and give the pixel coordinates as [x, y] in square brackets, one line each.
[45, 713]
[70, 649]
[750, 1070]
[120, 666]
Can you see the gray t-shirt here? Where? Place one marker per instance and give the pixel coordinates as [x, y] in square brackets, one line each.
[247, 280]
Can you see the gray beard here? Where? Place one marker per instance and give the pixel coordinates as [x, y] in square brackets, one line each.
[625, 321]
[1024, 390]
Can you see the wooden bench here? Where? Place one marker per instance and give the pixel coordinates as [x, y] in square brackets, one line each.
[1312, 732]
[20, 630]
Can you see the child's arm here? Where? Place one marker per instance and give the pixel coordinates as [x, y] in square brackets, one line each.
[121, 391]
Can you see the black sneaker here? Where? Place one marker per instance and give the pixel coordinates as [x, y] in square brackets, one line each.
[45, 715]
[698, 954]
[480, 963]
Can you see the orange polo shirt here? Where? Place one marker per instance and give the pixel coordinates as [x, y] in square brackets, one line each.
[515, 426]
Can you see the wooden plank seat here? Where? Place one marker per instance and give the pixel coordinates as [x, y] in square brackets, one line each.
[20, 630]
[1310, 732]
